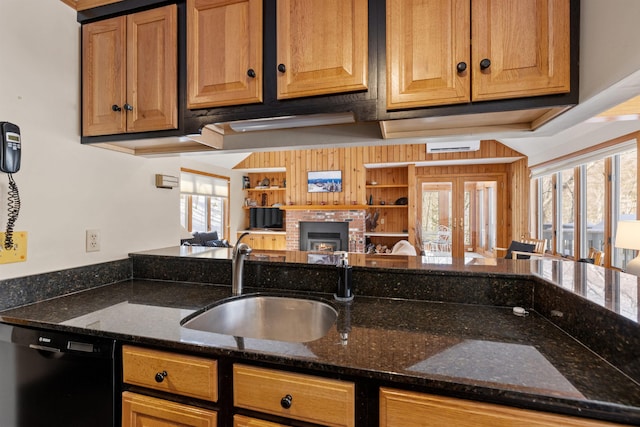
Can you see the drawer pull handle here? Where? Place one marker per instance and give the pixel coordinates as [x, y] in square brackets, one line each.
[285, 402]
[160, 376]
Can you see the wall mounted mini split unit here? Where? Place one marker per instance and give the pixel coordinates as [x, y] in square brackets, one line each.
[453, 146]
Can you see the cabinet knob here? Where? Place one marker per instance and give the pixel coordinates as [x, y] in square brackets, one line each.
[114, 107]
[128, 107]
[282, 68]
[160, 376]
[485, 63]
[285, 402]
[461, 67]
[251, 73]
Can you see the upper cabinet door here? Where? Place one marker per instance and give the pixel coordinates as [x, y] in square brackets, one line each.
[520, 48]
[427, 52]
[322, 47]
[224, 52]
[103, 77]
[152, 77]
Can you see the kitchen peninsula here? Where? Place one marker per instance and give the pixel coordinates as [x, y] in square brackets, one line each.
[419, 329]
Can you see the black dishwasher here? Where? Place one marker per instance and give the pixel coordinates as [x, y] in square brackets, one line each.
[55, 379]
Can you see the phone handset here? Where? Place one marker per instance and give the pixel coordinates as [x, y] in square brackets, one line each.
[11, 149]
[10, 153]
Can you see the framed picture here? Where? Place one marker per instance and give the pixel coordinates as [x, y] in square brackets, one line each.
[324, 182]
[245, 182]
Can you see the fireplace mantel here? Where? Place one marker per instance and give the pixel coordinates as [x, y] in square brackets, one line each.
[327, 207]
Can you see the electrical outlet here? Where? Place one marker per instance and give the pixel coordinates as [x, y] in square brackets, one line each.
[18, 253]
[93, 240]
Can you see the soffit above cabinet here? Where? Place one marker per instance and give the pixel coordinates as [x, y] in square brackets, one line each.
[88, 4]
[470, 124]
[160, 146]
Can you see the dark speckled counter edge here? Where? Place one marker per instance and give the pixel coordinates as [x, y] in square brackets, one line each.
[611, 336]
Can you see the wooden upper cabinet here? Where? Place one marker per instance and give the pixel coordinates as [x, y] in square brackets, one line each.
[152, 58]
[519, 49]
[527, 44]
[103, 77]
[129, 73]
[427, 46]
[322, 47]
[224, 52]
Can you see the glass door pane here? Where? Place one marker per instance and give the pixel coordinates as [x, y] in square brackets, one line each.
[567, 200]
[480, 218]
[435, 218]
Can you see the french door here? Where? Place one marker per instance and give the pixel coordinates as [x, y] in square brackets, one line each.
[461, 216]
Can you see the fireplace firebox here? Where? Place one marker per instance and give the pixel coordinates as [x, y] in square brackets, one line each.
[324, 236]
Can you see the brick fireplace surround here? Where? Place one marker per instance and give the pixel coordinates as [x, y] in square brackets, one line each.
[354, 217]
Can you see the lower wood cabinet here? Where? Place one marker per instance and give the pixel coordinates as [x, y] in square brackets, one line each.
[301, 397]
[139, 410]
[266, 241]
[293, 398]
[399, 408]
[242, 421]
[181, 374]
[168, 372]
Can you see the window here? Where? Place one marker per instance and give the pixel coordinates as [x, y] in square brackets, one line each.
[204, 203]
[625, 199]
[566, 233]
[593, 205]
[545, 203]
[580, 204]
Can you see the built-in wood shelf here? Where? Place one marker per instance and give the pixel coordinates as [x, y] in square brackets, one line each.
[262, 190]
[387, 186]
[387, 206]
[386, 234]
[327, 207]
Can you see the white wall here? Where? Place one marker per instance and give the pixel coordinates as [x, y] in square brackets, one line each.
[65, 187]
[608, 44]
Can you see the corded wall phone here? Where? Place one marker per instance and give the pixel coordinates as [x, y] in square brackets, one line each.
[10, 153]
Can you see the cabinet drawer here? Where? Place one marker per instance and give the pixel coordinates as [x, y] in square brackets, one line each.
[186, 375]
[242, 421]
[313, 399]
[138, 410]
[399, 408]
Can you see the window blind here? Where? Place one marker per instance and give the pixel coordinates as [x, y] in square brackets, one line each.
[203, 185]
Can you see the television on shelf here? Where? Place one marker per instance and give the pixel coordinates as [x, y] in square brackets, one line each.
[324, 182]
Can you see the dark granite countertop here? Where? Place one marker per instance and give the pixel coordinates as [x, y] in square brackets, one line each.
[471, 351]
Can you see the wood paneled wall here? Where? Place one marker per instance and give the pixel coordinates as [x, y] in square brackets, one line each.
[262, 160]
[519, 206]
[352, 160]
[348, 160]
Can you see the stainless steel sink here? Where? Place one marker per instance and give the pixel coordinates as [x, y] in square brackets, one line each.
[267, 317]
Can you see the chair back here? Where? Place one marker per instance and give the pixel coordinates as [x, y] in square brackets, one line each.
[540, 244]
[596, 255]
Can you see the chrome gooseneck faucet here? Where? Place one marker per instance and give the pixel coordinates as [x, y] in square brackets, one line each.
[240, 252]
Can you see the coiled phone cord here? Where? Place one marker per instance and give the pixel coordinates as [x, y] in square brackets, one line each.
[14, 210]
